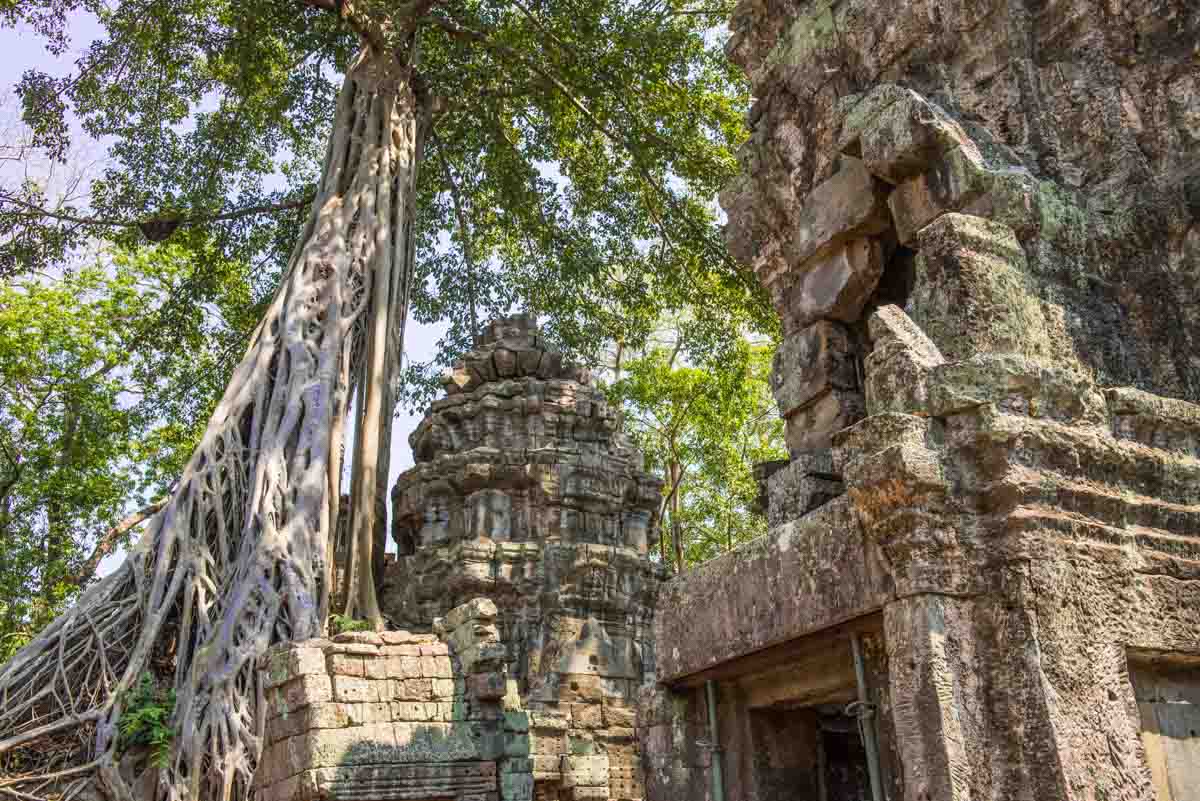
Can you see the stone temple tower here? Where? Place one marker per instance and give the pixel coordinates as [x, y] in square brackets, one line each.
[520, 606]
[526, 492]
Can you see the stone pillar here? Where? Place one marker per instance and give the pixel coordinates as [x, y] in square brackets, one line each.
[929, 642]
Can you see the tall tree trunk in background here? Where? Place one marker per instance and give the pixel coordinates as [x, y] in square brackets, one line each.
[383, 346]
[676, 473]
[236, 559]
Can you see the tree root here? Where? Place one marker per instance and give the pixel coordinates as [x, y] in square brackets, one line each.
[237, 559]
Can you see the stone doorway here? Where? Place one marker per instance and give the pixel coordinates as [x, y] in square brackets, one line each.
[809, 754]
[842, 759]
[1168, 699]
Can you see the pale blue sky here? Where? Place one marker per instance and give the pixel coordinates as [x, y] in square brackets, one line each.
[21, 49]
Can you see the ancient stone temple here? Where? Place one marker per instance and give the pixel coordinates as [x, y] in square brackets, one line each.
[979, 222]
[521, 605]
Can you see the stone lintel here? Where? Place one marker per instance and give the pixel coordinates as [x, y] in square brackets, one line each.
[799, 578]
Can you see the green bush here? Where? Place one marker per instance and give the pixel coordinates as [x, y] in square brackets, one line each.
[146, 720]
[339, 624]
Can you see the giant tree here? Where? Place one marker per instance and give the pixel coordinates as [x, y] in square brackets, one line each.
[476, 152]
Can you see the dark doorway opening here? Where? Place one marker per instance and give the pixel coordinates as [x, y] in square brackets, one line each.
[844, 772]
[810, 753]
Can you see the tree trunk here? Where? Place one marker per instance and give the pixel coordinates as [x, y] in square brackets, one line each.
[236, 560]
[372, 452]
[676, 472]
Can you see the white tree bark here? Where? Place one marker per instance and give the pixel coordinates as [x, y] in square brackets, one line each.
[381, 365]
[238, 559]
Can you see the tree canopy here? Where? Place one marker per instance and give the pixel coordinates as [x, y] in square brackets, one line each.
[575, 153]
[703, 428]
[106, 381]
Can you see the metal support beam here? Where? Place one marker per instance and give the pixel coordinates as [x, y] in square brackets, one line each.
[866, 720]
[718, 778]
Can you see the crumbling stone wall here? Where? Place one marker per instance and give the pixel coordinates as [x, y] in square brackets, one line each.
[396, 715]
[1074, 124]
[977, 222]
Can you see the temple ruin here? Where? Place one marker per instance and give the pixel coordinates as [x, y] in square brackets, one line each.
[523, 596]
[979, 222]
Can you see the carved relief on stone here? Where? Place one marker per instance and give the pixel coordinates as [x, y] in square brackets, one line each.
[526, 492]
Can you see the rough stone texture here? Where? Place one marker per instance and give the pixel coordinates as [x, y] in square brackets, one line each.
[525, 493]
[1025, 542]
[810, 362]
[1074, 123]
[812, 427]
[850, 205]
[1016, 548]
[798, 488]
[899, 364]
[834, 285]
[802, 576]
[972, 293]
[383, 716]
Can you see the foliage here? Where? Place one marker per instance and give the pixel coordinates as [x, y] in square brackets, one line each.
[584, 141]
[703, 427]
[105, 376]
[146, 719]
[340, 624]
[574, 152]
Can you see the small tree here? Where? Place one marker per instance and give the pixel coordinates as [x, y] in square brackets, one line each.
[704, 428]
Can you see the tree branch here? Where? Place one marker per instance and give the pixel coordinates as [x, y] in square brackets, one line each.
[153, 227]
[109, 541]
[453, 28]
[468, 254]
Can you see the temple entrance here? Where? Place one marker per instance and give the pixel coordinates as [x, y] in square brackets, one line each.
[809, 754]
[842, 772]
[1168, 699]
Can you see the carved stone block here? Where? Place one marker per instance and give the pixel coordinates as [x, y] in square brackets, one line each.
[903, 134]
[973, 293]
[849, 205]
[810, 362]
[832, 286]
[898, 366]
[796, 490]
[813, 426]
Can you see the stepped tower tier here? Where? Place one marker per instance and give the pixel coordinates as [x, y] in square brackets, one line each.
[526, 492]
